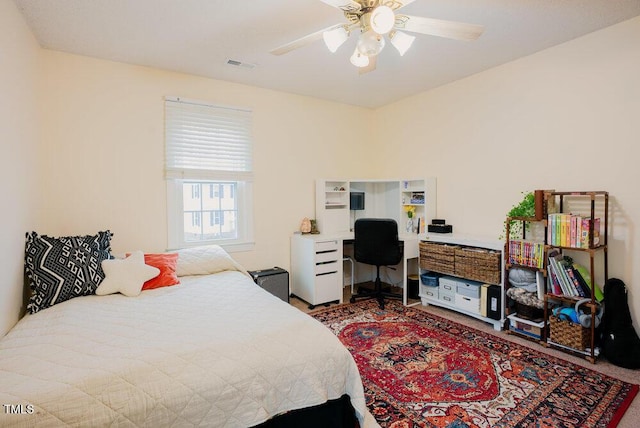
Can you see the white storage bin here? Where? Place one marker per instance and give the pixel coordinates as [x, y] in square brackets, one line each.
[468, 304]
[469, 288]
[430, 292]
[448, 285]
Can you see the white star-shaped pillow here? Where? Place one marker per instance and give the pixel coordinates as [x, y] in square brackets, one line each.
[126, 276]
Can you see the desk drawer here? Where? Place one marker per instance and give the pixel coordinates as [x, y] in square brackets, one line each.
[330, 256]
[322, 246]
[328, 267]
[327, 288]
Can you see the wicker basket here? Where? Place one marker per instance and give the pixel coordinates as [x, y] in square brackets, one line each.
[478, 264]
[438, 257]
[528, 312]
[569, 334]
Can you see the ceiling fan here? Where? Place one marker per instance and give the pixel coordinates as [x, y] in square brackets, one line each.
[376, 19]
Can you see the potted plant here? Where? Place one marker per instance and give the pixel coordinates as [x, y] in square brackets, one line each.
[526, 208]
[410, 210]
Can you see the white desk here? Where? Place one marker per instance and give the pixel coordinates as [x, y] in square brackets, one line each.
[317, 275]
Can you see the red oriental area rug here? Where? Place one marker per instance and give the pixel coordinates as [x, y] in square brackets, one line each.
[421, 370]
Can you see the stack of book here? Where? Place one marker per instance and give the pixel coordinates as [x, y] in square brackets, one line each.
[526, 253]
[572, 231]
[565, 277]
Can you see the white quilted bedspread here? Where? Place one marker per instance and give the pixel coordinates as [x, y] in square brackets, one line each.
[214, 351]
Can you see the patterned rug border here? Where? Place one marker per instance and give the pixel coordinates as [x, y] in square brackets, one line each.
[521, 351]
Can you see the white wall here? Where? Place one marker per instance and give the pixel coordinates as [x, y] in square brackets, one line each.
[104, 145]
[566, 118]
[19, 124]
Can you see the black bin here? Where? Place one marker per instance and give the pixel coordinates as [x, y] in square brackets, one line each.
[413, 284]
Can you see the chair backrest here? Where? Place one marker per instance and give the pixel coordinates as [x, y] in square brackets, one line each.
[376, 242]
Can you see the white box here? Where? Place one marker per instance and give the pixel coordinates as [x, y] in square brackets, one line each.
[430, 292]
[447, 297]
[447, 285]
[526, 327]
[469, 288]
[469, 304]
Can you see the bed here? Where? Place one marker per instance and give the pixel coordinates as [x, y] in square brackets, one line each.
[214, 350]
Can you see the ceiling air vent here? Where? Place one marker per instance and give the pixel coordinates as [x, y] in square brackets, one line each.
[240, 64]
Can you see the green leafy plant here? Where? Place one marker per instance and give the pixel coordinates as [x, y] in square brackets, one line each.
[526, 208]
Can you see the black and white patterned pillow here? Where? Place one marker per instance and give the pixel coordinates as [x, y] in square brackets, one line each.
[62, 268]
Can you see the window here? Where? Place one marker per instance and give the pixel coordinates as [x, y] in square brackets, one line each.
[195, 191]
[208, 167]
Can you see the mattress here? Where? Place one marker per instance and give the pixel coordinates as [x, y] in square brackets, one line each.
[215, 351]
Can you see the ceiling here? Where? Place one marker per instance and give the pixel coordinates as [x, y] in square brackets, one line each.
[199, 37]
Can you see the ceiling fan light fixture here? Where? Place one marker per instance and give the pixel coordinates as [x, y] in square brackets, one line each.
[370, 43]
[382, 19]
[359, 59]
[401, 41]
[335, 38]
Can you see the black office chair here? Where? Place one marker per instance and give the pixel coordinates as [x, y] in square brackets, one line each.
[376, 243]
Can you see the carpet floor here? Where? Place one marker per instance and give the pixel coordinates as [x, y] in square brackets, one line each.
[420, 369]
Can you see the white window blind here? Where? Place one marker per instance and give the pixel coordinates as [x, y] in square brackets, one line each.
[207, 142]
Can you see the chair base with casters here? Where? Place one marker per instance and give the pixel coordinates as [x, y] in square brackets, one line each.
[377, 293]
[376, 243]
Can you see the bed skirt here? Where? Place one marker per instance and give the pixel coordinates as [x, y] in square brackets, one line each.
[338, 413]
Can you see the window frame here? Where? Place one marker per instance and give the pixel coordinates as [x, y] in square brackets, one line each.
[175, 202]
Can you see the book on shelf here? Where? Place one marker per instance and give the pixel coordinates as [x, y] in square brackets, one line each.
[541, 285]
[526, 253]
[576, 284]
[556, 274]
[556, 264]
[571, 230]
[565, 234]
[586, 235]
[584, 275]
[573, 291]
[583, 283]
[554, 281]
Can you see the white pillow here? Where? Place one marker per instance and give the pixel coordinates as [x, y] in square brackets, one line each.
[205, 260]
[126, 276]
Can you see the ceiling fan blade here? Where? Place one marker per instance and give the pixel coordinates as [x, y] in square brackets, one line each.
[344, 5]
[397, 4]
[303, 41]
[373, 61]
[438, 27]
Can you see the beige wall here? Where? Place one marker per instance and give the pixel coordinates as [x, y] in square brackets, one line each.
[19, 168]
[566, 118]
[104, 145]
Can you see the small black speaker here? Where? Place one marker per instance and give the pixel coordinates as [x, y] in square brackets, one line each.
[274, 280]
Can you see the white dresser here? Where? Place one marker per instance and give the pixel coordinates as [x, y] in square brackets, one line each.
[316, 269]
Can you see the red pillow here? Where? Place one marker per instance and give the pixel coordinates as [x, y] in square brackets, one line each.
[167, 264]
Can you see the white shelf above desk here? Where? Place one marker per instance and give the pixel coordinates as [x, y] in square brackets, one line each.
[382, 199]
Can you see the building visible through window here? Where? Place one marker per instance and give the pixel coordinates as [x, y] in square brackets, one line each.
[217, 204]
